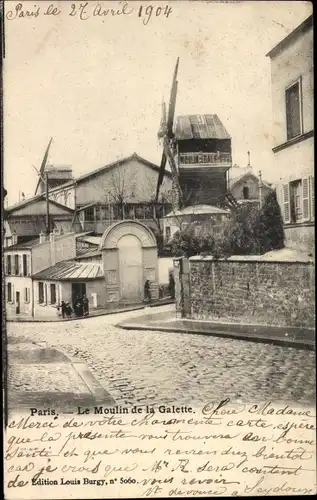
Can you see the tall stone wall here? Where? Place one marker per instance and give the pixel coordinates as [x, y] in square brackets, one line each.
[276, 293]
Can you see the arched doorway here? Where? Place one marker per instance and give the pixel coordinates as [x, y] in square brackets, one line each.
[130, 267]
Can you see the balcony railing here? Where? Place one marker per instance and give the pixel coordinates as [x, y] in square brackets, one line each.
[204, 158]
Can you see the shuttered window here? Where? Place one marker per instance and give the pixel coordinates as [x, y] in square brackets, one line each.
[16, 265]
[26, 295]
[25, 265]
[305, 199]
[312, 197]
[286, 203]
[9, 265]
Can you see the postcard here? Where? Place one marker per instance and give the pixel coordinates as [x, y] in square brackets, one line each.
[158, 249]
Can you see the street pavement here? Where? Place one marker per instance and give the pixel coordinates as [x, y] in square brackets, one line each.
[149, 367]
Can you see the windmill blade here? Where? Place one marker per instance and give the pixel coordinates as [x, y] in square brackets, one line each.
[172, 102]
[43, 164]
[160, 176]
[44, 161]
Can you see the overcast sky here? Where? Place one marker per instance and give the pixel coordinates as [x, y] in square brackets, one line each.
[96, 85]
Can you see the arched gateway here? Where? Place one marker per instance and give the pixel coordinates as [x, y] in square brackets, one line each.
[129, 255]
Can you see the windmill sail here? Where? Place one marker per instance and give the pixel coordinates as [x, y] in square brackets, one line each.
[43, 164]
[167, 134]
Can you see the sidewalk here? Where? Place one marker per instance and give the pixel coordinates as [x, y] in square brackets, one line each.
[300, 338]
[42, 377]
[115, 309]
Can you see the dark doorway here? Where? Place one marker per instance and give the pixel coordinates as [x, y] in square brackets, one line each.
[246, 192]
[78, 291]
[17, 299]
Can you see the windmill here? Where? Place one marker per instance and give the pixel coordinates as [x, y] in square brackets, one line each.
[44, 178]
[166, 137]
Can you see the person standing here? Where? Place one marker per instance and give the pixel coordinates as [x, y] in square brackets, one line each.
[147, 291]
[85, 305]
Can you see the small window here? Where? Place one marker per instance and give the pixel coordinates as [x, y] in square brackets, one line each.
[26, 295]
[167, 232]
[9, 295]
[25, 265]
[9, 265]
[53, 293]
[293, 110]
[90, 214]
[296, 201]
[245, 193]
[9, 241]
[41, 292]
[16, 265]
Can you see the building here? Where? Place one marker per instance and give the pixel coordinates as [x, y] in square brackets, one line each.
[203, 158]
[246, 186]
[293, 133]
[198, 216]
[56, 175]
[24, 221]
[22, 260]
[121, 190]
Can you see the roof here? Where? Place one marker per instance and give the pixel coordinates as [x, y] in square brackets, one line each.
[200, 127]
[38, 197]
[237, 178]
[99, 170]
[27, 227]
[88, 254]
[304, 26]
[198, 210]
[24, 245]
[70, 270]
[93, 240]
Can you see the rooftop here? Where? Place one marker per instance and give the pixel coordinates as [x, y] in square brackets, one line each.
[70, 270]
[304, 26]
[198, 210]
[200, 127]
[24, 245]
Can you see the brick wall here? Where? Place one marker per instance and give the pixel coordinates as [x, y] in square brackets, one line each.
[280, 293]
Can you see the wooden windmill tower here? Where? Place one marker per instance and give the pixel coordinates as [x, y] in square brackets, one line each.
[198, 149]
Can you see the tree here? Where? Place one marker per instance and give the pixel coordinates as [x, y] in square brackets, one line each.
[268, 227]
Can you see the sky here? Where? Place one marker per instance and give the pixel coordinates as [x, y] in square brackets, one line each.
[96, 84]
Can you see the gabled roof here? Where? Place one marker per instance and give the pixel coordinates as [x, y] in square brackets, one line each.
[233, 182]
[70, 270]
[200, 127]
[110, 166]
[34, 199]
[299, 30]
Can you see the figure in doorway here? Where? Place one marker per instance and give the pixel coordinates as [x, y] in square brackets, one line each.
[85, 305]
[147, 291]
[68, 310]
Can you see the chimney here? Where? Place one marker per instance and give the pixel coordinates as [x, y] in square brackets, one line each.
[42, 237]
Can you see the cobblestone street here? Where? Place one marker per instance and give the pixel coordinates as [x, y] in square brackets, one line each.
[140, 367]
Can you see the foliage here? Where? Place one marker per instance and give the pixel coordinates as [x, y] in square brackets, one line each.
[250, 231]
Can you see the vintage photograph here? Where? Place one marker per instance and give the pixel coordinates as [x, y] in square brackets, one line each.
[158, 228]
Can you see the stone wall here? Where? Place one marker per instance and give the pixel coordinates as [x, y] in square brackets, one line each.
[253, 291]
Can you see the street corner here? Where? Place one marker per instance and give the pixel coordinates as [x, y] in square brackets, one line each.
[42, 377]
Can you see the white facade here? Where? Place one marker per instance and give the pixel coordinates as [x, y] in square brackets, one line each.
[293, 131]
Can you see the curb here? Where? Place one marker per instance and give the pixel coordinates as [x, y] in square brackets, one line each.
[309, 346]
[104, 313]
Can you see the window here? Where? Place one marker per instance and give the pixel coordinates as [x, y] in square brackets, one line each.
[293, 110]
[9, 295]
[41, 292]
[9, 265]
[53, 293]
[9, 241]
[25, 265]
[16, 265]
[245, 193]
[90, 214]
[298, 200]
[26, 295]
[167, 232]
